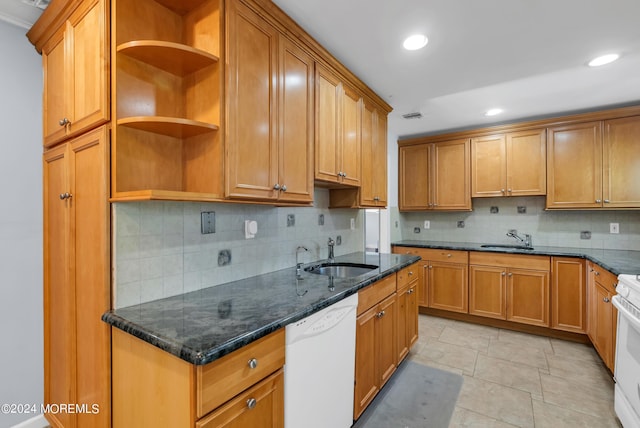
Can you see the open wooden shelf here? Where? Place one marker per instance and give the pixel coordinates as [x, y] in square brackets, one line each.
[174, 58]
[164, 195]
[170, 126]
[181, 7]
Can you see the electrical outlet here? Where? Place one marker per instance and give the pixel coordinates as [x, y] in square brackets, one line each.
[320, 219]
[427, 224]
[291, 220]
[416, 230]
[352, 223]
[208, 222]
[339, 240]
[224, 257]
[585, 234]
[614, 227]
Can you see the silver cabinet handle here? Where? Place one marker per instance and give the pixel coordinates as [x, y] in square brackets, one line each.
[284, 188]
[380, 314]
[410, 273]
[253, 363]
[504, 274]
[510, 274]
[251, 403]
[598, 201]
[276, 186]
[410, 291]
[606, 201]
[64, 122]
[509, 190]
[502, 190]
[65, 195]
[606, 300]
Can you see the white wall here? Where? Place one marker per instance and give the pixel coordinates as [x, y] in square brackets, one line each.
[21, 360]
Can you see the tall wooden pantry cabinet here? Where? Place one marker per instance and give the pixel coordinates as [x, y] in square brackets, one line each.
[73, 39]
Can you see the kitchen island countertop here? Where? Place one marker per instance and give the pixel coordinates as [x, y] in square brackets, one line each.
[616, 261]
[204, 325]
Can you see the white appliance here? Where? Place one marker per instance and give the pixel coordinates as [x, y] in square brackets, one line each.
[627, 370]
[320, 368]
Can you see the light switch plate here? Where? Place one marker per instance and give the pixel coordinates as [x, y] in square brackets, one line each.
[614, 227]
[427, 224]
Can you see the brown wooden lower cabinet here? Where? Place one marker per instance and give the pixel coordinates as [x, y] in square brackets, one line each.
[152, 388]
[510, 287]
[407, 303]
[603, 316]
[376, 341]
[568, 294]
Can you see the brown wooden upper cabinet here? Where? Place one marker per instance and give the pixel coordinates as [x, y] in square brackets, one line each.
[75, 64]
[511, 164]
[270, 112]
[594, 164]
[338, 130]
[373, 188]
[435, 176]
[166, 108]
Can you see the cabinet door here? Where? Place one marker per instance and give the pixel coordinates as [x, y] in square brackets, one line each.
[412, 314]
[54, 89]
[489, 166]
[487, 291]
[295, 145]
[402, 323]
[88, 34]
[450, 176]
[350, 150]
[328, 124]
[367, 383]
[252, 167]
[414, 171]
[373, 186]
[528, 296]
[526, 163]
[386, 333]
[621, 174]
[602, 316]
[88, 166]
[568, 294]
[448, 287]
[59, 299]
[262, 405]
[574, 166]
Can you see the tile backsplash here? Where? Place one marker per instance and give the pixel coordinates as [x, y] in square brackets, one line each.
[159, 250]
[548, 228]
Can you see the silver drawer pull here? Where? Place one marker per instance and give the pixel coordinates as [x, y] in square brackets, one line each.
[251, 403]
[410, 273]
[606, 300]
[253, 363]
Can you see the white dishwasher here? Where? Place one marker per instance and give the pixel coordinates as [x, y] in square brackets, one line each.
[319, 368]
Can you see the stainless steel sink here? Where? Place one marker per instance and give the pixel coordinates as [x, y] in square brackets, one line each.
[507, 246]
[340, 270]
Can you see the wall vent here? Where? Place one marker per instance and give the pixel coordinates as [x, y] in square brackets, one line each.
[414, 115]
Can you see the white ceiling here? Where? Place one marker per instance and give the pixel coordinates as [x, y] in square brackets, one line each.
[22, 13]
[526, 56]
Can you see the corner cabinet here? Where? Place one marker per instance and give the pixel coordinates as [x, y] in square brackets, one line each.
[166, 99]
[77, 363]
[75, 64]
[435, 176]
[270, 111]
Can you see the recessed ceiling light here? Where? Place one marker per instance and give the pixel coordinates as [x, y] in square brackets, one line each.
[604, 59]
[415, 42]
[493, 112]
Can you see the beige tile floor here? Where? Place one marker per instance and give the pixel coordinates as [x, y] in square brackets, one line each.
[516, 379]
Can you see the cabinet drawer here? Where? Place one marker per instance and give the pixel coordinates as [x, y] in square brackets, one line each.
[406, 275]
[453, 256]
[226, 377]
[261, 404]
[604, 277]
[510, 260]
[375, 293]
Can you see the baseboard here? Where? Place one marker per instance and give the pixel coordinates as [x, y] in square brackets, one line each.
[36, 422]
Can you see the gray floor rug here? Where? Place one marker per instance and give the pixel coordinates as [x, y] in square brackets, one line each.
[417, 396]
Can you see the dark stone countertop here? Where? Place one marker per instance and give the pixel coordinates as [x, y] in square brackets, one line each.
[616, 261]
[204, 325]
